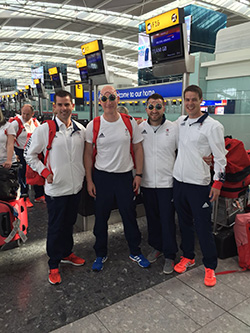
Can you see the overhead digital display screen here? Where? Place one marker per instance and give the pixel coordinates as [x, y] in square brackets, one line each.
[95, 64]
[84, 74]
[55, 77]
[167, 44]
[57, 83]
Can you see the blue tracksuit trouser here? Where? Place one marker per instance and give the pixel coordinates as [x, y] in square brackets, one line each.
[62, 215]
[160, 213]
[111, 187]
[193, 207]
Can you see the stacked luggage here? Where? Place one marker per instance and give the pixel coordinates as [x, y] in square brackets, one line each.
[233, 197]
[13, 211]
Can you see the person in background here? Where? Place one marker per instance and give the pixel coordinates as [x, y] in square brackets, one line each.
[113, 178]
[24, 126]
[199, 135]
[159, 146]
[7, 137]
[122, 109]
[64, 174]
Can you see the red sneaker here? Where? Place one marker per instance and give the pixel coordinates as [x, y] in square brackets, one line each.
[29, 204]
[54, 276]
[40, 199]
[182, 266]
[73, 260]
[210, 278]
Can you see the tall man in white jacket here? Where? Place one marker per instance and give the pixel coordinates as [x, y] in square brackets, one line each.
[159, 146]
[199, 135]
[64, 175]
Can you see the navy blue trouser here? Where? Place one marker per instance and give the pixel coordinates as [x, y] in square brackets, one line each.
[39, 191]
[62, 215]
[160, 213]
[193, 207]
[119, 187]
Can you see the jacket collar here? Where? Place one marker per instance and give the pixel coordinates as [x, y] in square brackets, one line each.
[200, 120]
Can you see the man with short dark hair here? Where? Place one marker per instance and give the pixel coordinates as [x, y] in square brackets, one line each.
[159, 145]
[199, 135]
[112, 176]
[64, 174]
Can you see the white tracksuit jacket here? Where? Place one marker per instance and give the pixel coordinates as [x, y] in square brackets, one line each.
[197, 140]
[159, 154]
[65, 158]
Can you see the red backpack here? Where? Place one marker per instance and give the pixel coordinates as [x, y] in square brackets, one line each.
[32, 177]
[20, 126]
[96, 126]
[237, 169]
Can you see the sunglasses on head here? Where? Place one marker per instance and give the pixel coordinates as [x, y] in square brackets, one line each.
[157, 107]
[111, 97]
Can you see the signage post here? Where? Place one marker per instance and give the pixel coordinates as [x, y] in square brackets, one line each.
[90, 99]
[96, 69]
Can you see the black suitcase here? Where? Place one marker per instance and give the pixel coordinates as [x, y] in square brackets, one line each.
[224, 235]
[225, 243]
[9, 182]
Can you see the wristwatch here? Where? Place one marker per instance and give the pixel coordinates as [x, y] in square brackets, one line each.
[139, 175]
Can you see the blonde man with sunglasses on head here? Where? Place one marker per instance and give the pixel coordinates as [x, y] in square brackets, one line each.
[113, 178]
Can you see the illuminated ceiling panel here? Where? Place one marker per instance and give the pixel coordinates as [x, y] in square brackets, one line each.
[35, 31]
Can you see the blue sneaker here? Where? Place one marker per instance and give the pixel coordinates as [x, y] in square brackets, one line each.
[98, 263]
[141, 260]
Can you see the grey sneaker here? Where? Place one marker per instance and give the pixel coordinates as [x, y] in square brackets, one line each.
[154, 255]
[168, 266]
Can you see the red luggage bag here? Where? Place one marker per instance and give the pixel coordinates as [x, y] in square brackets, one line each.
[13, 221]
[242, 238]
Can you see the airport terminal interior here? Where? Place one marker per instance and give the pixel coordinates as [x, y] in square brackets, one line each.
[140, 47]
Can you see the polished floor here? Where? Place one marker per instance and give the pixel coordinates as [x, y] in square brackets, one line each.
[121, 298]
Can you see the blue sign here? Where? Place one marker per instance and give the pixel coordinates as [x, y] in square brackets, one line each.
[166, 90]
[212, 102]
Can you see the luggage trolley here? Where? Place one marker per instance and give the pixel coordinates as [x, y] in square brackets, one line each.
[233, 197]
[13, 213]
[223, 218]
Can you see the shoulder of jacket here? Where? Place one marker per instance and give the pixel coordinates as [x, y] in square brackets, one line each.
[213, 122]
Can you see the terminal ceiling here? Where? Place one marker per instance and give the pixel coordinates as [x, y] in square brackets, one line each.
[53, 31]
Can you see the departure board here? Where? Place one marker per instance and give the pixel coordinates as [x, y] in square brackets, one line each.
[167, 44]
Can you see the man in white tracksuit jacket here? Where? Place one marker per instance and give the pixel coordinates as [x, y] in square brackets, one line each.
[64, 174]
[24, 127]
[159, 146]
[199, 135]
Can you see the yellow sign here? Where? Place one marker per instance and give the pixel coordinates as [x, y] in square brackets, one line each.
[53, 71]
[162, 21]
[81, 63]
[79, 90]
[36, 81]
[27, 87]
[90, 47]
